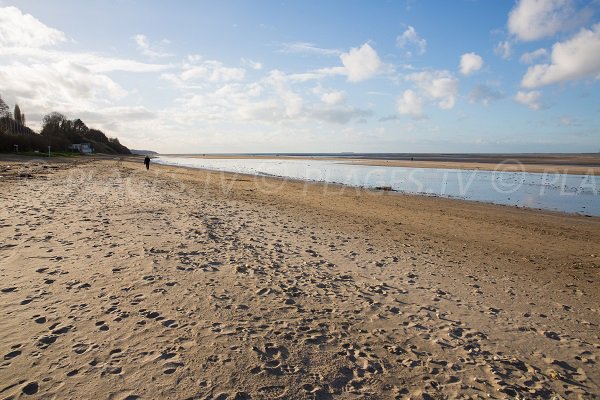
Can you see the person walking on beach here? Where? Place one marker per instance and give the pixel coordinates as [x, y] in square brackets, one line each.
[147, 162]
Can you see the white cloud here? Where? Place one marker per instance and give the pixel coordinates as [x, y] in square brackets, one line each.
[24, 30]
[361, 63]
[317, 74]
[333, 97]
[210, 71]
[535, 19]
[503, 49]
[469, 63]
[530, 99]
[308, 48]
[255, 65]
[272, 102]
[94, 62]
[213, 71]
[62, 85]
[410, 104]
[145, 48]
[292, 102]
[42, 77]
[440, 86]
[530, 57]
[122, 113]
[575, 58]
[410, 40]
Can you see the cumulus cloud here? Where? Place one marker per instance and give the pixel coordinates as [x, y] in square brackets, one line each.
[213, 71]
[147, 49]
[531, 57]
[439, 86]
[361, 63]
[272, 101]
[530, 99]
[61, 85]
[470, 62]
[535, 19]
[24, 30]
[210, 71]
[503, 49]
[575, 58]
[293, 102]
[410, 104]
[333, 97]
[411, 41]
[484, 94]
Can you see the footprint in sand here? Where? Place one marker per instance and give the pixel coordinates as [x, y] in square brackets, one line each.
[12, 354]
[102, 326]
[80, 348]
[272, 391]
[31, 388]
[45, 341]
[113, 370]
[552, 335]
[170, 323]
[171, 367]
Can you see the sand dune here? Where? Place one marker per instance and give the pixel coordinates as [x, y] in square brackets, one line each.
[121, 283]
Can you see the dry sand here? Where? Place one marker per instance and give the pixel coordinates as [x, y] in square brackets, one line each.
[122, 283]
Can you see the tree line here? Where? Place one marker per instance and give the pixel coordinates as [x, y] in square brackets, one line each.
[57, 131]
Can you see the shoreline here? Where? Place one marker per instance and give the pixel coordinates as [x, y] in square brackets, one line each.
[495, 164]
[375, 189]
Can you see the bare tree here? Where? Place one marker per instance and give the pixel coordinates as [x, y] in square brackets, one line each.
[17, 114]
[3, 109]
[4, 116]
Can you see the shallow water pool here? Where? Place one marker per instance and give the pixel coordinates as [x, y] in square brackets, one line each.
[550, 191]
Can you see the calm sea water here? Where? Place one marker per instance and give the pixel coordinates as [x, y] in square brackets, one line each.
[559, 192]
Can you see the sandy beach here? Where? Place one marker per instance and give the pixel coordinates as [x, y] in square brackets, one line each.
[121, 283]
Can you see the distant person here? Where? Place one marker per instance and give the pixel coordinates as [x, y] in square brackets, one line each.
[147, 162]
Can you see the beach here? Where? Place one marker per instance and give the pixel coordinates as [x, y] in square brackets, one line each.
[173, 283]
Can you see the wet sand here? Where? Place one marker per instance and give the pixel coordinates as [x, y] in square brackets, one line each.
[121, 283]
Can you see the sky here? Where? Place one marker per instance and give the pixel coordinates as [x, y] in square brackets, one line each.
[311, 76]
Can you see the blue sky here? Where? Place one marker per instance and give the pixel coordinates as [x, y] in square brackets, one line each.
[312, 76]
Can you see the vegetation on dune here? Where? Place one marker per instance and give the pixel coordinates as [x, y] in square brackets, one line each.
[58, 132]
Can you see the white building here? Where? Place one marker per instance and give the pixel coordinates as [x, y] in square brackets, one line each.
[84, 148]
